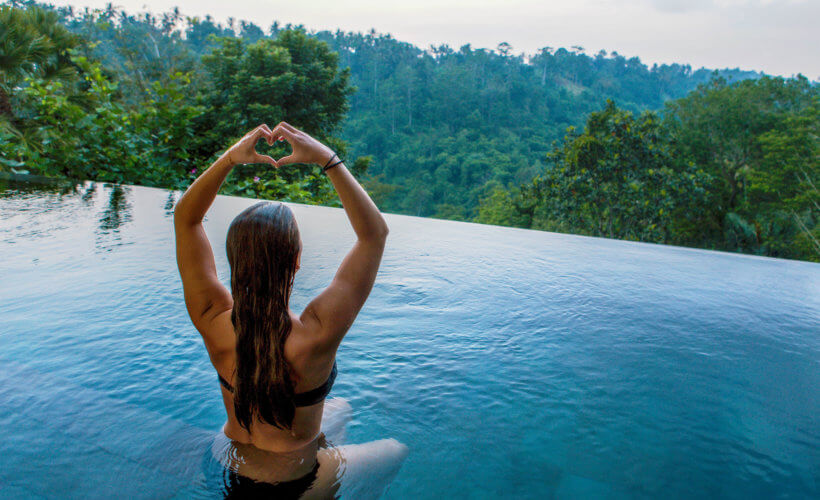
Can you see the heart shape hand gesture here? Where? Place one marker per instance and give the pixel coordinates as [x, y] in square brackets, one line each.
[306, 149]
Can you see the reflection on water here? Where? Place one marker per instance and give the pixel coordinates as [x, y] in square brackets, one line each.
[12, 185]
[117, 212]
[58, 197]
[170, 203]
[90, 191]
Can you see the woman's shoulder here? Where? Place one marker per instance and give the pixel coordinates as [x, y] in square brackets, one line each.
[221, 340]
[306, 332]
[306, 352]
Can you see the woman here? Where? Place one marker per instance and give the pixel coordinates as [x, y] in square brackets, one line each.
[276, 367]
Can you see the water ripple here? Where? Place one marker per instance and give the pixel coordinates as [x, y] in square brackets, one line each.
[512, 363]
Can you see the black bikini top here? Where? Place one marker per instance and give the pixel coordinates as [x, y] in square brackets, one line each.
[308, 398]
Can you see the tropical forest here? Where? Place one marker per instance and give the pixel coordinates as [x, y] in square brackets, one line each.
[557, 140]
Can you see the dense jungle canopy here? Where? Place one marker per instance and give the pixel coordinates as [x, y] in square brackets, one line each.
[558, 140]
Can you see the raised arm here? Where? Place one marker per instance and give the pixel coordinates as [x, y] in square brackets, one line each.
[205, 296]
[337, 306]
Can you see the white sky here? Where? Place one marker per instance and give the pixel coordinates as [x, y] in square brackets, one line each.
[780, 37]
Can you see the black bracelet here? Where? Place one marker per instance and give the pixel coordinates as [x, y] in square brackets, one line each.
[325, 169]
[328, 162]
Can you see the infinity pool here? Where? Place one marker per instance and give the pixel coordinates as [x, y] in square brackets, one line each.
[512, 363]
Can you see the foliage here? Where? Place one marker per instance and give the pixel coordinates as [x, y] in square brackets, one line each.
[758, 139]
[725, 159]
[413, 109]
[32, 44]
[446, 127]
[106, 141]
[617, 179]
[134, 117]
[731, 166]
[293, 78]
[783, 186]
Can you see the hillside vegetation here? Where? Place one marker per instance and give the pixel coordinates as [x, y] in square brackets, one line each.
[557, 140]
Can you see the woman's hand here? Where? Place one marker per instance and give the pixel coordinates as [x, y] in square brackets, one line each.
[306, 149]
[244, 151]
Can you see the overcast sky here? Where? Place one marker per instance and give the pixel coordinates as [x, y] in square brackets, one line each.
[778, 37]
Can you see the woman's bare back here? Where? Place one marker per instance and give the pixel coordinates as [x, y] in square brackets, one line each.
[309, 370]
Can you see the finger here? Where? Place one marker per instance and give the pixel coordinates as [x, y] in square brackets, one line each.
[283, 127]
[289, 127]
[286, 160]
[265, 159]
[269, 133]
[281, 131]
[261, 133]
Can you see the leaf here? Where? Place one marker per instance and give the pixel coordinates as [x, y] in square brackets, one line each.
[13, 164]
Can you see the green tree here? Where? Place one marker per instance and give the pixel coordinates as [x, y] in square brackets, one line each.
[32, 44]
[294, 78]
[106, 140]
[783, 186]
[741, 134]
[617, 178]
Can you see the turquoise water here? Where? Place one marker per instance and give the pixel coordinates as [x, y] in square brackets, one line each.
[512, 363]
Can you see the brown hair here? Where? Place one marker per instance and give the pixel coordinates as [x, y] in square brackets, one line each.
[263, 245]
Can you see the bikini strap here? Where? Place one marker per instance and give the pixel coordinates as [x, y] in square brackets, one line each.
[225, 383]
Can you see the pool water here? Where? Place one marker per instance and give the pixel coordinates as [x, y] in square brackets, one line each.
[512, 363]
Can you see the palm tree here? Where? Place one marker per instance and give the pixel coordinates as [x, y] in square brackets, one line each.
[57, 65]
[20, 47]
[32, 43]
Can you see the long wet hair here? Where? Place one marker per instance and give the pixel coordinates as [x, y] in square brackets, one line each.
[263, 245]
